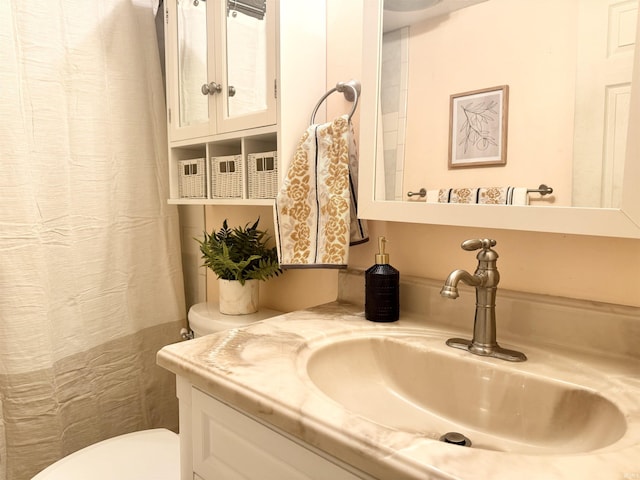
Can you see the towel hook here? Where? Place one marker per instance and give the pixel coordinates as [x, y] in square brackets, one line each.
[351, 92]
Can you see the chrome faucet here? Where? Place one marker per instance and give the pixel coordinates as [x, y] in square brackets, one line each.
[485, 279]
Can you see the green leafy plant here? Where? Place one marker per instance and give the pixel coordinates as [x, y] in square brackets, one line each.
[240, 253]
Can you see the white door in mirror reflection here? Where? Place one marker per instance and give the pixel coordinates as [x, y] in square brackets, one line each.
[606, 39]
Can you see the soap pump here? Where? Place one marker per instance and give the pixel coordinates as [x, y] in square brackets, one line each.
[382, 288]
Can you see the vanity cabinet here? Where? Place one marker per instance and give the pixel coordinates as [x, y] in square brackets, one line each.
[218, 441]
[242, 79]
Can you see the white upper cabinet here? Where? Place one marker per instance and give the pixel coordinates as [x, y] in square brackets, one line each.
[243, 77]
[221, 59]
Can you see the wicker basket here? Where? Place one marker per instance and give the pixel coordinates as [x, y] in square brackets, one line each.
[262, 174]
[227, 176]
[191, 178]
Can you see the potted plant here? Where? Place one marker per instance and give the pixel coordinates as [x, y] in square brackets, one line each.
[240, 258]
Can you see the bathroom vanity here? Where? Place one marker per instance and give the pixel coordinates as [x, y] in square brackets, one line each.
[324, 393]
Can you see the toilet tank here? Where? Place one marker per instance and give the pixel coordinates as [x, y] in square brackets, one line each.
[205, 318]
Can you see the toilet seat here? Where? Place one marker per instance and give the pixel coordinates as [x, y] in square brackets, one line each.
[145, 455]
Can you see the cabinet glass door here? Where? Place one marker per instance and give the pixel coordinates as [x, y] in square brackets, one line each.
[193, 105]
[249, 64]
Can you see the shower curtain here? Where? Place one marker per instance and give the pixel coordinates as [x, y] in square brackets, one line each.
[90, 272]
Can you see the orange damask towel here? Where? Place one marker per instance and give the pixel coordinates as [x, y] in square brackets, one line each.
[316, 208]
[484, 195]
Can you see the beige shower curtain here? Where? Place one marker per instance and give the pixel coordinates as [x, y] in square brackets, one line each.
[90, 273]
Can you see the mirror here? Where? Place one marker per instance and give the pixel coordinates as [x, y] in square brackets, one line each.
[541, 122]
[246, 41]
[192, 62]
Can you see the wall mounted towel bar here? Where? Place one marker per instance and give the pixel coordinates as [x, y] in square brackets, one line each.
[422, 193]
[351, 92]
[542, 190]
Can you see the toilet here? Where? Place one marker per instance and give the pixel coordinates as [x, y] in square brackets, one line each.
[145, 455]
[148, 454]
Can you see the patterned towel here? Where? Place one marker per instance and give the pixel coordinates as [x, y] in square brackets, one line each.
[485, 195]
[316, 207]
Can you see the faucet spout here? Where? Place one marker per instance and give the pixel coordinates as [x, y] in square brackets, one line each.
[485, 280]
[450, 287]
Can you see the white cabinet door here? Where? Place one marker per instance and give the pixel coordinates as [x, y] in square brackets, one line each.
[246, 65]
[230, 445]
[187, 23]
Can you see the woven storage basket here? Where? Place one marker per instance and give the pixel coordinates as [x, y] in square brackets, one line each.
[262, 174]
[191, 178]
[227, 176]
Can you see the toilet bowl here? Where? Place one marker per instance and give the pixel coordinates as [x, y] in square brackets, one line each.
[147, 454]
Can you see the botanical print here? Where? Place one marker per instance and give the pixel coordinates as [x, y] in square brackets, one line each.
[478, 128]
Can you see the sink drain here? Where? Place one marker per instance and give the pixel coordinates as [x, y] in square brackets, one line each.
[456, 439]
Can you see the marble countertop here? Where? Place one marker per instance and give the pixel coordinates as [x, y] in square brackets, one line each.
[259, 370]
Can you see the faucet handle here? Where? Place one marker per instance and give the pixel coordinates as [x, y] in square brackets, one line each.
[477, 244]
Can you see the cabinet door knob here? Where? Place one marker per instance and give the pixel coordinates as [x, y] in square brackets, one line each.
[232, 90]
[211, 88]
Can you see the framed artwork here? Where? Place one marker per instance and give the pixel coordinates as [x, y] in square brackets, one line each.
[478, 128]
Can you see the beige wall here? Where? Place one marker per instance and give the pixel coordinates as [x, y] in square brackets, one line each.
[590, 268]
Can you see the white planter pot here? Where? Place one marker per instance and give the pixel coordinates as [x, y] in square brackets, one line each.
[238, 299]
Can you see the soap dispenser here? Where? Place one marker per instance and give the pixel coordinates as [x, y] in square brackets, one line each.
[382, 288]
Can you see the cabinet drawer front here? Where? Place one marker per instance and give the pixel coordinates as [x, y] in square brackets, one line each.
[228, 444]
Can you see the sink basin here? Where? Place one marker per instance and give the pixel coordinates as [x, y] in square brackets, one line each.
[413, 382]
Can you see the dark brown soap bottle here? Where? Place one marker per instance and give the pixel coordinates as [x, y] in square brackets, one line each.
[382, 288]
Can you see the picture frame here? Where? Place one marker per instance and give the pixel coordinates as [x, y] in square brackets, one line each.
[478, 123]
